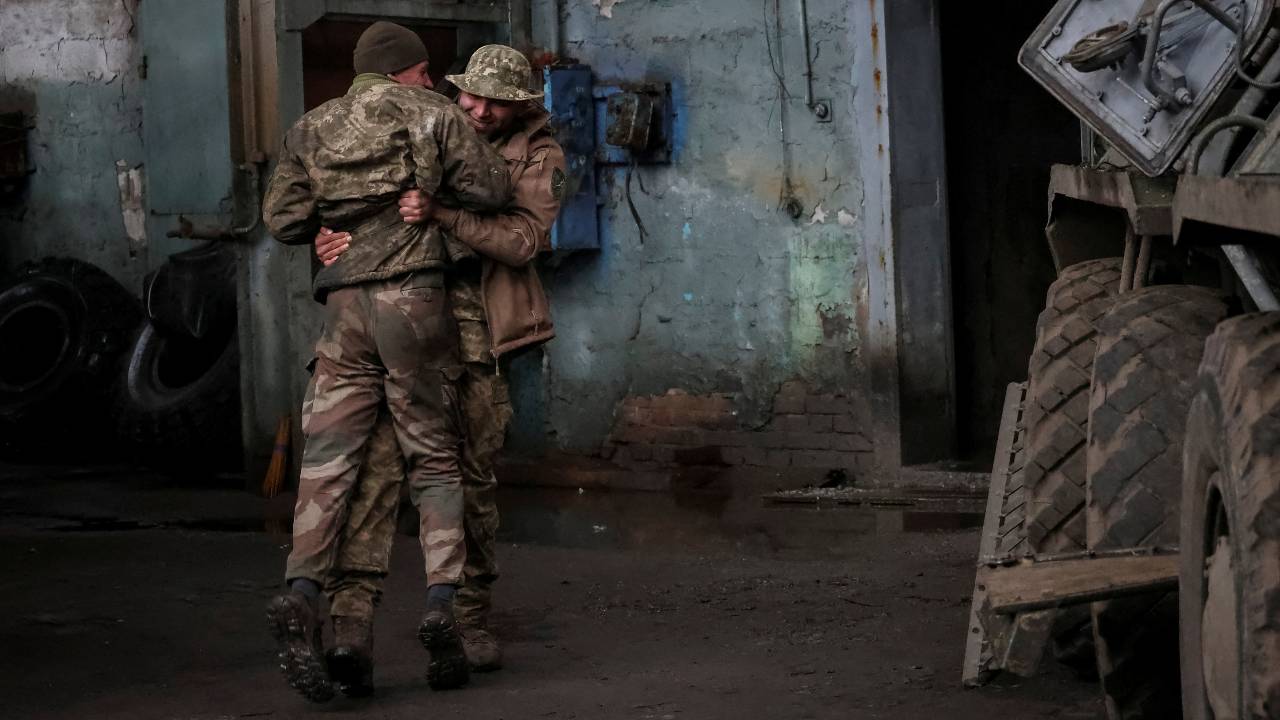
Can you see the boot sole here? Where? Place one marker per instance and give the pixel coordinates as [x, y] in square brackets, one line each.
[350, 672]
[299, 661]
[448, 667]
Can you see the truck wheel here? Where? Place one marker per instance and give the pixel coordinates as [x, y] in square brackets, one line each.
[1149, 346]
[180, 397]
[1057, 418]
[63, 327]
[1229, 597]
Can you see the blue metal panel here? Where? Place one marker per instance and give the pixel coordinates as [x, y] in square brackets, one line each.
[568, 97]
[186, 107]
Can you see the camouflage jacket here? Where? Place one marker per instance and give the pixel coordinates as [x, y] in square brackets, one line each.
[344, 164]
[503, 307]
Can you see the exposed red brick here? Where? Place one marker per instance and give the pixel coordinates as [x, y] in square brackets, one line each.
[845, 424]
[790, 398]
[820, 423]
[754, 455]
[852, 442]
[702, 456]
[731, 438]
[828, 405]
[653, 435]
[664, 453]
[825, 459]
[798, 440]
[789, 423]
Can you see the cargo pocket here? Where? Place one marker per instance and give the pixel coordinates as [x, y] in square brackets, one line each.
[450, 376]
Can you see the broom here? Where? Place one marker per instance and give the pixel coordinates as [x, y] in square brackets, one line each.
[274, 480]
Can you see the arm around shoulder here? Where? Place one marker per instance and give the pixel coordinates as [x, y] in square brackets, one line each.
[516, 235]
[289, 206]
[472, 171]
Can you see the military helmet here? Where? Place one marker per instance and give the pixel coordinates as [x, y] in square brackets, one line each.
[496, 72]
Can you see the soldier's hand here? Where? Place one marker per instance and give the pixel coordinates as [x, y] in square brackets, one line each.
[330, 244]
[416, 206]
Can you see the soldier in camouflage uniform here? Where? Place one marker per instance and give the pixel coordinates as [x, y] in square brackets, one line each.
[389, 337]
[500, 307]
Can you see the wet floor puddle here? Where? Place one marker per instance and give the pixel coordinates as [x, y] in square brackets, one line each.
[635, 520]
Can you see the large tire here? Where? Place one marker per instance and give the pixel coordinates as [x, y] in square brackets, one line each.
[1058, 403]
[1149, 346]
[1057, 414]
[180, 398]
[1230, 531]
[64, 325]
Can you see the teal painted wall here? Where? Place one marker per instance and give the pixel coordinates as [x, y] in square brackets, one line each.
[727, 293]
[73, 66]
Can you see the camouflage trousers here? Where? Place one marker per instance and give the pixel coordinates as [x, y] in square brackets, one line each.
[391, 342]
[363, 560]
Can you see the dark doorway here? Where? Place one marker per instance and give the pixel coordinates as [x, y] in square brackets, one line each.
[1003, 132]
[327, 47]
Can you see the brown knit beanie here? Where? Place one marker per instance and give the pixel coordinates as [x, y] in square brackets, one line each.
[387, 48]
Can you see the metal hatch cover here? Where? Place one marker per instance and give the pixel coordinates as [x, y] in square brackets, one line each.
[1148, 121]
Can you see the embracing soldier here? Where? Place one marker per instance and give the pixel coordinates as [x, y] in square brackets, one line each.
[500, 307]
[389, 338]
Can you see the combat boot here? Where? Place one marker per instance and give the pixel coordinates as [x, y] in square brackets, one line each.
[296, 629]
[483, 652]
[351, 659]
[438, 633]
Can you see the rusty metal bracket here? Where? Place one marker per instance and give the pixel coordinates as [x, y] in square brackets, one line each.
[1147, 201]
[981, 657]
[1092, 212]
[1251, 204]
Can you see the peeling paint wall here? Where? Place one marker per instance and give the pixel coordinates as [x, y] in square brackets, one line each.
[73, 67]
[727, 294]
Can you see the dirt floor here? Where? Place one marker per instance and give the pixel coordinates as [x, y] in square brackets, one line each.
[123, 597]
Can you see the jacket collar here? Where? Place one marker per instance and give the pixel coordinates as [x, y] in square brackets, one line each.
[364, 81]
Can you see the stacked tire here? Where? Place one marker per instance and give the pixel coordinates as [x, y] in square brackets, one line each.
[1057, 422]
[1230, 530]
[87, 371]
[64, 328]
[1149, 346]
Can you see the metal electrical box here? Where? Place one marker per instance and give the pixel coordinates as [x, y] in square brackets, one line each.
[567, 96]
[1140, 73]
[604, 125]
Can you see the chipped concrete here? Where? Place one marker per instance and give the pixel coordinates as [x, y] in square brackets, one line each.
[73, 67]
[132, 207]
[727, 294]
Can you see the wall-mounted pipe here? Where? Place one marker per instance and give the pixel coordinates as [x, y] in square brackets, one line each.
[808, 56]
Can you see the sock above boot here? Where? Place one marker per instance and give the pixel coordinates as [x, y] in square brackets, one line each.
[440, 597]
[309, 589]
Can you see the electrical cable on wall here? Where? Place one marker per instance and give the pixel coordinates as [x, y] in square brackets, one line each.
[635, 214]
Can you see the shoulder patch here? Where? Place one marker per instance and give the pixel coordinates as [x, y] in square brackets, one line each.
[557, 184]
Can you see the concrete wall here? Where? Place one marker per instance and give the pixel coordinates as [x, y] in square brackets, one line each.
[727, 299]
[73, 67]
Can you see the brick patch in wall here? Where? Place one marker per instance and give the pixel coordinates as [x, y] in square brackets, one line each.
[815, 430]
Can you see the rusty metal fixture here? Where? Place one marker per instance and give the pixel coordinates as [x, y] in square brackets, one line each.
[1143, 265]
[189, 231]
[1102, 48]
[630, 121]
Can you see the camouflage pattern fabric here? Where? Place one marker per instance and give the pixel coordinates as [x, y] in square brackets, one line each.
[486, 410]
[354, 587]
[497, 72]
[467, 300]
[394, 342]
[344, 164]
